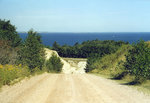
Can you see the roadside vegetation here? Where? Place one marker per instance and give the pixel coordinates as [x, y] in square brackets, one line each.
[19, 59]
[9, 73]
[54, 64]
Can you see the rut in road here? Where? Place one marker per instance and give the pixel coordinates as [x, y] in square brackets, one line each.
[70, 88]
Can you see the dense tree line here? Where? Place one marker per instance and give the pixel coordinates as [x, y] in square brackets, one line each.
[94, 48]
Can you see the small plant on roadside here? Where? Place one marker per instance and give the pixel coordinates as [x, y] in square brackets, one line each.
[54, 64]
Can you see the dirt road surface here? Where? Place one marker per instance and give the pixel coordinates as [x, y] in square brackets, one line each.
[70, 88]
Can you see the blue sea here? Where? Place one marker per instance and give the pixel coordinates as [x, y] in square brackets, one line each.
[72, 38]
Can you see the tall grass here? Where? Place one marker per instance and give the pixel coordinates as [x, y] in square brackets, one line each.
[8, 73]
[111, 64]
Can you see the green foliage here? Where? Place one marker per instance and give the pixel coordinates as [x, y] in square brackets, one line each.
[54, 64]
[49, 47]
[32, 52]
[8, 33]
[56, 46]
[87, 49]
[90, 62]
[138, 60]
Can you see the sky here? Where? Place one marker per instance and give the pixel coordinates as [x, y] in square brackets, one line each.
[77, 15]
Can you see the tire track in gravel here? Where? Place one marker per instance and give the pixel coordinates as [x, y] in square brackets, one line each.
[70, 88]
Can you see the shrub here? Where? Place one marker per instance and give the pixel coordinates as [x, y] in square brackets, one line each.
[89, 65]
[138, 60]
[54, 64]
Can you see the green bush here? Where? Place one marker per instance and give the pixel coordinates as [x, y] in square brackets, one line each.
[54, 64]
[138, 61]
[90, 62]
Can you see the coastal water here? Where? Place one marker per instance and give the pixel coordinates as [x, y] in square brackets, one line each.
[72, 38]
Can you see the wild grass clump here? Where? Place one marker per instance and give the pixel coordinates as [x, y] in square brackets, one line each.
[8, 73]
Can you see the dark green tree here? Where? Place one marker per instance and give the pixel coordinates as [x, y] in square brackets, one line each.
[138, 60]
[54, 64]
[32, 52]
[56, 46]
[8, 33]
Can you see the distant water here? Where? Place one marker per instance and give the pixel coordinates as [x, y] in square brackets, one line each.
[72, 38]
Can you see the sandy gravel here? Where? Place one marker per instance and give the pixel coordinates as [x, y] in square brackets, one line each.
[70, 88]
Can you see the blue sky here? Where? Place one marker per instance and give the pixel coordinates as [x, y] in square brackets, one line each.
[78, 15]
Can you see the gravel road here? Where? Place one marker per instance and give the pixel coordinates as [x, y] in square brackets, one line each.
[70, 88]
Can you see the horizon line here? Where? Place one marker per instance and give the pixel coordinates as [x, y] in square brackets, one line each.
[79, 32]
